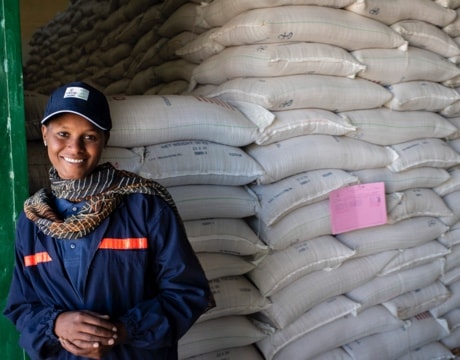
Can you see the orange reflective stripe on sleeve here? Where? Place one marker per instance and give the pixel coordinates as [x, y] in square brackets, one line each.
[32, 260]
[124, 244]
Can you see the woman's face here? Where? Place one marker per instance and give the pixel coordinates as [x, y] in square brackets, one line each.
[74, 145]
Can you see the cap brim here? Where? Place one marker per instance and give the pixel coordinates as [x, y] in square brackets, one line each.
[49, 116]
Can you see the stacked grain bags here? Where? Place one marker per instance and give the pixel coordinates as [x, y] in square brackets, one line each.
[116, 45]
[379, 115]
[334, 79]
[194, 147]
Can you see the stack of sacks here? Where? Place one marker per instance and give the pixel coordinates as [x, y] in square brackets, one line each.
[319, 80]
[116, 45]
[362, 91]
[194, 147]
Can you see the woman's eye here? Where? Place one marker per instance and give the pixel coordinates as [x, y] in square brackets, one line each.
[90, 138]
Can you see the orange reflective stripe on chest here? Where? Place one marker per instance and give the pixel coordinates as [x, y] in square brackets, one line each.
[124, 244]
[41, 257]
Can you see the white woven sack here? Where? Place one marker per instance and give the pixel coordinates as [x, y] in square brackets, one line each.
[391, 66]
[452, 303]
[423, 153]
[198, 162]
[402, 235]
[453, 318]
[450, 185]
[276, 60]
[169, 48]
[418, 301]
[219, 12]
[234, 295]
[280, 198]
[307, 23]
[452, 340]
[314, 152]
[200, 48]
[218, 334]
[452, 201]
[143, 81]
[183, 19]
[176, 87]
[280, 268]
[453, 29]
[334, 93]
[399, 181]
[452, 4]
[455, 144]
[320, 315]
[451, 237]
[450, 277]
[427, 36]
[385, 288]
[298, 122]
[305, 223]
[196, 202]
[415, 256]
[176, 69]
[452, 110]
[418, 202]
[227, 236]
[121, 158]
[217, 266]
[147, 120]
[256, 113]
[453, 259]
[434, 350]
[247, 352]
[456, 122]
[391, 11]
[385, 127]
[340, 332]
[335, 354]
[316, 287]
[421, 95]
[393, 344]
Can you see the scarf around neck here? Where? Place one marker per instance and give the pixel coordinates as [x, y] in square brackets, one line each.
[103, 190]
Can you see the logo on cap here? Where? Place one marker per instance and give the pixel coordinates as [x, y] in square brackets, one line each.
[76, 92]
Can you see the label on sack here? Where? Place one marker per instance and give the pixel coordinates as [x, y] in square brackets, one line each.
[357, 206]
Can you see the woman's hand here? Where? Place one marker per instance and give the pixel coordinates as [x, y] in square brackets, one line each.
[85, 333]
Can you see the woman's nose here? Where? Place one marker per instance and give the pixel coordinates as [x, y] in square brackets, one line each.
[75, 143]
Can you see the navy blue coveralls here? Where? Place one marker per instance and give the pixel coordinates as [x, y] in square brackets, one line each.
[141, 271]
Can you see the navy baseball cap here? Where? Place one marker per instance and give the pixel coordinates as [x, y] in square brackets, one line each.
[81, 99]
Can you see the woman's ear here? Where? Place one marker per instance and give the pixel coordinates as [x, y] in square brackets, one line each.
[44, 132]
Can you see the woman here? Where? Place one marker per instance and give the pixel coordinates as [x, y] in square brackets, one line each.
[103, 269]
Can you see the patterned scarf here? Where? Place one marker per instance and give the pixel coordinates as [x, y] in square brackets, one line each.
[103, 191]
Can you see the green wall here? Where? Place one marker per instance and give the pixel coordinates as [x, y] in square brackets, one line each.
[13, 160]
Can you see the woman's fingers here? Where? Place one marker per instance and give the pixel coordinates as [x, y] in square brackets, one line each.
[82, 327]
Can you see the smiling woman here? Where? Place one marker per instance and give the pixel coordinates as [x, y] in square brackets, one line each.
[103, 264]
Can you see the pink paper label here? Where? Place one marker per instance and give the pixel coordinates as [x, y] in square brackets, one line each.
[357, 206]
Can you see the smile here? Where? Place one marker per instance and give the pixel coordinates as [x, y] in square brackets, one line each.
[74, 161]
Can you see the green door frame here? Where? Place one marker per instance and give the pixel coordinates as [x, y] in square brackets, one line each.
[13, 160]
